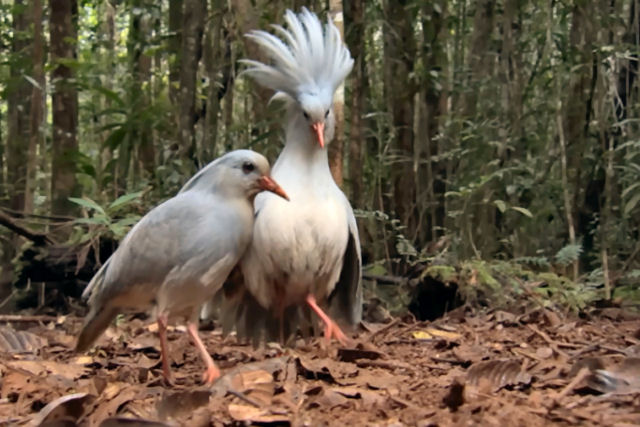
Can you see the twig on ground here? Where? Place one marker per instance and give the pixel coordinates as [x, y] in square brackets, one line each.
[15, 318]
[553, 344]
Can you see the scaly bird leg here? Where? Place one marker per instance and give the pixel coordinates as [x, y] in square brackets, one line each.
[164, 347]
[331, 328]
[212, 372]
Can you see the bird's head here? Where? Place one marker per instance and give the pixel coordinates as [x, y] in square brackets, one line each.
[308, 64]
[250, 171]
[239, 172]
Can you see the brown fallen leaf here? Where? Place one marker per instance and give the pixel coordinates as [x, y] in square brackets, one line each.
[69, 407]
[369, 398]
[12, 341]
[353, 354]
[621, 379]
[498, 373]
[173, 405]
[314, 369]
[256, 415]
[131, 422]
[70, 371]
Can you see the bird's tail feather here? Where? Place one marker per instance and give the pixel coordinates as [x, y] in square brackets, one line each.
[96, 281]
[96, 322]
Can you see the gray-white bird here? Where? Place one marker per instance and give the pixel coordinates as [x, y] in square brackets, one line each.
[181, 252]
[306, 253]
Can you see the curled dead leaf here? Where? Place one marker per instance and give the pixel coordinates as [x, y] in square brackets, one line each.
[256, 415]
[70, 407]
[621, 379]
[498, 374]
[12, 341]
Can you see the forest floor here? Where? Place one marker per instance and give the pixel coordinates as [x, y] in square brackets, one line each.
[491, 369]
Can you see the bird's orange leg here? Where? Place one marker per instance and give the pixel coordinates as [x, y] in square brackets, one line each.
[331, 328]
[212, 372]
[164, 347]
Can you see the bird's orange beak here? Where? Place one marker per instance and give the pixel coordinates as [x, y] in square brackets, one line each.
[318, 129]
[267, 183]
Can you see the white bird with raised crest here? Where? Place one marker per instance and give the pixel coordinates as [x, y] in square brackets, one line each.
[304, 254]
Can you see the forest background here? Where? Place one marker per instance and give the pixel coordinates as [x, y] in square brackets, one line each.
[484, 143]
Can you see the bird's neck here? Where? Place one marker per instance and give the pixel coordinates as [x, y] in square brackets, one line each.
[302, 149]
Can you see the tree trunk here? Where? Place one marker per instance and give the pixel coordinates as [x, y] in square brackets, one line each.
[37, 103]
[18, 97]
[174, 44]
[64, 102]
[212, 59]
[192, 31]
[140, 96]
[354, 36]
[400, 53]
[432, 176]
[336, 148]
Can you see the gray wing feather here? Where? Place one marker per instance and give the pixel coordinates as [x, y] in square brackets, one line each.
[163, 242]
[345, 303]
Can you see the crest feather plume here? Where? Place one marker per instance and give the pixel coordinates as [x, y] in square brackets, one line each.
[306, 59]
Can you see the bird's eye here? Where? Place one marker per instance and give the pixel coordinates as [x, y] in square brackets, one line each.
[248, 167]
[306, 116]
[326, 114]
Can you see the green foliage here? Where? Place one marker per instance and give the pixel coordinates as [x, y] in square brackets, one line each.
[107, 221]
[501, 284]
[568, 254]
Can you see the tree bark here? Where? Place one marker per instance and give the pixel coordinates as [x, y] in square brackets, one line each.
[37, 103]
[64, 102]
[399, 56]
[18, 97]
[174, 44]
[212, 59]
[140, 96]
[354, 36]
[336, 148]
[192, 32]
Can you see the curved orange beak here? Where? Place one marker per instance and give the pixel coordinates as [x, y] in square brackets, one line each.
[267, 183]
[318, 129]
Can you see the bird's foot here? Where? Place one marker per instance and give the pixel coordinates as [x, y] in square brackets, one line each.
[332, 330]
[211, 374]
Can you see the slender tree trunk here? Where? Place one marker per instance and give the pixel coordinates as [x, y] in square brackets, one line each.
[140, 91]
[64, 101]
[336, 148]
[212, 58]
[192, 32]
[175, 42]
[355, 37]
[37, 103]
[246, 17]
[434, 106]
[400, 53]
[19, 96]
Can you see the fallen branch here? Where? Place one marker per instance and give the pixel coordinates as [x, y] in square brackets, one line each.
[39, 239]
[15, 318]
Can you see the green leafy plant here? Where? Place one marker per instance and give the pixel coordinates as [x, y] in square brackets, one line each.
[112, 221]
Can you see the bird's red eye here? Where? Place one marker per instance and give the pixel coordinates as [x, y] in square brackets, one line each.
[306, 116]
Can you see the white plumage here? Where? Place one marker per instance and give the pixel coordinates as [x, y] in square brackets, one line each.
[306, 253]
